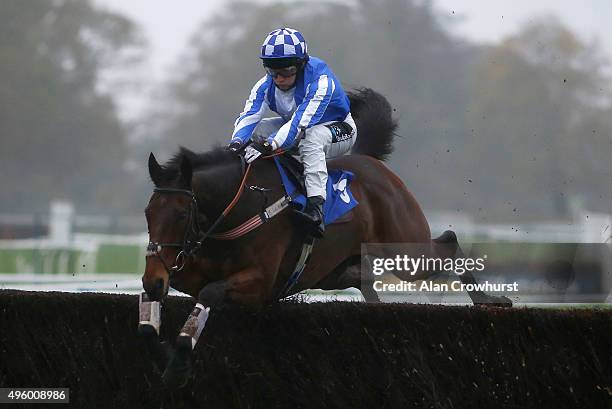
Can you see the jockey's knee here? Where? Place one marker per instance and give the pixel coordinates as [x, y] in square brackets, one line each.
[320, 139]
[310, 151]
[317, 137]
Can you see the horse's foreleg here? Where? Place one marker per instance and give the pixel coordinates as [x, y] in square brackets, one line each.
[212, 295]
[178, 370]
[368, 292]
[349, 274]
[244, 287]
[352, 277]
[149, 317]
[149, 322]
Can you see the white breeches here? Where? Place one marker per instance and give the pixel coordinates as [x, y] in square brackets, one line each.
[315, 146]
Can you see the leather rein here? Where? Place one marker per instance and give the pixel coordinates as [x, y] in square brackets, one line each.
[194, 236]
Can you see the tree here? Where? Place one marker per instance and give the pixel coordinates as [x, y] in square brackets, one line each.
[504, 131]
[397, 47]
[60, 135]
[540, 104]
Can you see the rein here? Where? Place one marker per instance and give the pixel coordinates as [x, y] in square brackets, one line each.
[194, 237]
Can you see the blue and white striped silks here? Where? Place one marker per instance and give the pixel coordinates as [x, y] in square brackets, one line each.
[317, 97]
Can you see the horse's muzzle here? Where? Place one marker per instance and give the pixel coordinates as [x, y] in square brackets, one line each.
[155, 289]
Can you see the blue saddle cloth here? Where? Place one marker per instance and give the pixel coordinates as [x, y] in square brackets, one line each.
[339, 200]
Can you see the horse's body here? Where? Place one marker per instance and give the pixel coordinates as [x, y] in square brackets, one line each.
[253, 269]
[258, 264]
[335, 261]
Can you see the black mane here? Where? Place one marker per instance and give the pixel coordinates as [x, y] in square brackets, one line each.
[216, 156]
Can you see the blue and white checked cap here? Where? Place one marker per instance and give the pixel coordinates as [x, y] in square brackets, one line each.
[283, 43]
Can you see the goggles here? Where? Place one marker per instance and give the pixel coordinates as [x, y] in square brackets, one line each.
[283, 72]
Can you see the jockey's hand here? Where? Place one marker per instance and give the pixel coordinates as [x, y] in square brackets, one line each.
[256, 149]
[234, 146]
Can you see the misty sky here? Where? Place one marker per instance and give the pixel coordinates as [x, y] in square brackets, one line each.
[169, 25]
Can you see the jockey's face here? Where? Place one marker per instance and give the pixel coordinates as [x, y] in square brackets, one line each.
[285, 83]
[284, 78]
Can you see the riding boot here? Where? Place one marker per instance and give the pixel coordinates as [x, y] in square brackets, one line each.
[313, 215]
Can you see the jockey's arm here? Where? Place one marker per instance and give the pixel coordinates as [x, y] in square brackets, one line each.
[307, 114]
[255, 108]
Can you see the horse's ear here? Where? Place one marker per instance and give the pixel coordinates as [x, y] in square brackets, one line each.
[155, 170]
[186, 171]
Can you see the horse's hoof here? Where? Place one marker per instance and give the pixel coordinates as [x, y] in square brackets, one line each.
[147, 331]
[178, 371]
[495, 301]
[160, 352]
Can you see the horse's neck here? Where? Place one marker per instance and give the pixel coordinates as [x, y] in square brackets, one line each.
[224, 183]
[216, 186]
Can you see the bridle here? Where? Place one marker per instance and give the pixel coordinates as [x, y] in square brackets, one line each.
[192, 239]
[194, 236]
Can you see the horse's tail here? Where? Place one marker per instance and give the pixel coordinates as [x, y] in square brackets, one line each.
[375, 123]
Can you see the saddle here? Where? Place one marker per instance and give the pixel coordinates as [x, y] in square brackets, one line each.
[340, 201]
[294, 170]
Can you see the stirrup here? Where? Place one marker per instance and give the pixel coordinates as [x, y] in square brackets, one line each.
[312, 215]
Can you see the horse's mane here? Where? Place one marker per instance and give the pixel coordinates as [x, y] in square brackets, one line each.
[216, 156]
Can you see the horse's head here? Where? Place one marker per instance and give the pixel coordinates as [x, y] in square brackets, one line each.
[171, 216]
[175, 218]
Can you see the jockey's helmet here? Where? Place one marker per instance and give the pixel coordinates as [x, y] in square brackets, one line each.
[284, 47]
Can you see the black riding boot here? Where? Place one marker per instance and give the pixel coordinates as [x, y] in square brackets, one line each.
[313, 215]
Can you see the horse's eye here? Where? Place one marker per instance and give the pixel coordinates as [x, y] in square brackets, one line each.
[181, 215]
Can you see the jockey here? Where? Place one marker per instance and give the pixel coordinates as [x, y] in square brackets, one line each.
[314, 119]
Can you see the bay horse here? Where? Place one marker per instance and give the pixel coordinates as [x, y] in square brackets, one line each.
[193, 190]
